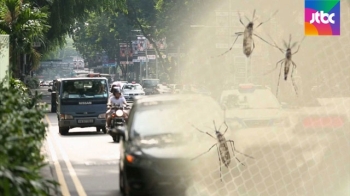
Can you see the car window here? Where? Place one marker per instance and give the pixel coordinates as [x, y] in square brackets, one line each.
[163, 119]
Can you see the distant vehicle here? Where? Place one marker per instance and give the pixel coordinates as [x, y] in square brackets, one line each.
[156, 145]
[119, 83]
[149, 85]
[162, 89]
[252, 106]
[108, 76]
[81, 102]
[130, 90]
[46, 83]
[196, 89]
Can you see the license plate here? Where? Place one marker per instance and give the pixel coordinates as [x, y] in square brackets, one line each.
[84, 121]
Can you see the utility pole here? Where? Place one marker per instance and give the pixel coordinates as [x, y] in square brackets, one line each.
[146, 45]
[157, 73]
[127, 60]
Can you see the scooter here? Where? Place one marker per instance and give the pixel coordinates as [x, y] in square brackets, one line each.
[117, 121]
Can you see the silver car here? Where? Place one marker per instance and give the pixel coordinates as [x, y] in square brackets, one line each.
[130, 90]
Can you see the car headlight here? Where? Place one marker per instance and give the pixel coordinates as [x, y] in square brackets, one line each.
[102, 116]
[66, 116]
[119, 113]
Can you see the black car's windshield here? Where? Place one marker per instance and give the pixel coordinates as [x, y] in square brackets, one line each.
[175, 118]
[75, 89]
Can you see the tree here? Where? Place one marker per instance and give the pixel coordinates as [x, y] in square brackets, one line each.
[25, 24]
[101, 33]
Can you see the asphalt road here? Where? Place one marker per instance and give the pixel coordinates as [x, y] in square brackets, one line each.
[85, 162]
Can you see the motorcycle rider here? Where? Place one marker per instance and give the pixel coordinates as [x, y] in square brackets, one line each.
[116, 99]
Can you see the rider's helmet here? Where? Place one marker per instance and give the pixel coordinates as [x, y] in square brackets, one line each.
[116, 90]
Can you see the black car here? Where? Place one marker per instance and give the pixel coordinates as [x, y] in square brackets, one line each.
[158, 144]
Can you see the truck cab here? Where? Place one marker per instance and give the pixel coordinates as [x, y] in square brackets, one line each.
[81, 102]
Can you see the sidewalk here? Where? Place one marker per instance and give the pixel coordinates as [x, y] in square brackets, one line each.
[48, 171]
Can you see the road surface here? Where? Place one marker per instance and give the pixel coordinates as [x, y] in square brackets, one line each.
[85, 162]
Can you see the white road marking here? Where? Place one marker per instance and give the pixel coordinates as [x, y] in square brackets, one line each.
[73, 175]
[59, 173]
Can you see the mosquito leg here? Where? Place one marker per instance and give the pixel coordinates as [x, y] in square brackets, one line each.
[233, 152]
[293, 82]
[275, 67]
[296, 50]
[253, 15]
[219, 162]
[233, 146]
[240, 19]
[278, 81]
[264, 40]
[237, 34]
[267, 19]
[225, 129]
[203, 152]
[275, 45]
[203, 132]
[299, 46]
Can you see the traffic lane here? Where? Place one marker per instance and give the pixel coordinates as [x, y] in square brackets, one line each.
[93, 156]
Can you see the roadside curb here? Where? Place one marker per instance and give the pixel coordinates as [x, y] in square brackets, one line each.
[48, 171]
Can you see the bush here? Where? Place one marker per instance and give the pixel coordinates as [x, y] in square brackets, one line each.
[21, 136]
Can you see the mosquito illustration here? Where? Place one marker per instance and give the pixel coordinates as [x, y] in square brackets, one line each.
[287, 61]
[248, 41]
[222, 147]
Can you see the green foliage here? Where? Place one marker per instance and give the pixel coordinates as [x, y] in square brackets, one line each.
[25, 24]
[21, 137]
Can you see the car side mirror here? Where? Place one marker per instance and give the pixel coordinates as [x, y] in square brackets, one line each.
[50, 90]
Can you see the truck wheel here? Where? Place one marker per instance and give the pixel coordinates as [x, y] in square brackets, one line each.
[63, 130]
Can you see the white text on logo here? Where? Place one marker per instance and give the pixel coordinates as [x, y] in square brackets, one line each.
[319, 18]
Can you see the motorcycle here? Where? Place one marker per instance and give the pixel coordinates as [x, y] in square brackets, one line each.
[117, 121]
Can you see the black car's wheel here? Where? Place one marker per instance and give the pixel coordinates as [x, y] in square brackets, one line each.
[63, 130]
[104, 130]
[98, 129]
[116, 139]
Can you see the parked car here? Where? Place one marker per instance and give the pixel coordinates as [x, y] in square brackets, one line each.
[130, 90]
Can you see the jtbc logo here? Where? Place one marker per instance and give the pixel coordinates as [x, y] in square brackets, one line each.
[316, 17]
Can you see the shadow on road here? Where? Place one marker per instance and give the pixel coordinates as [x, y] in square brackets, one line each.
[84, 133]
